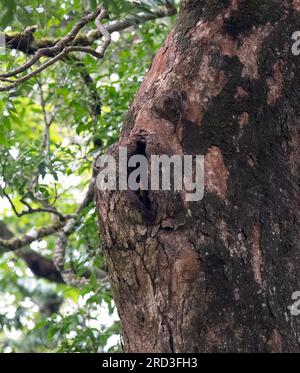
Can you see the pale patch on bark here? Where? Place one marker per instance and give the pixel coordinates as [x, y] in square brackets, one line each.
[227, 46]
[184, 284]
[275, 83]
[296, 5]
[206, 30]
[256, 253]
[243, 119]
[235, 244]
[216, 173]
[234, 5]
[209, 84]
[249, 51]
[195, 111]
[275, 342]
[210, 81]
[295, 154]
[223, 232]
[240, 93]
[186, 270]
[252, 160]
[163, 75]
[212, 337]
[162, 63]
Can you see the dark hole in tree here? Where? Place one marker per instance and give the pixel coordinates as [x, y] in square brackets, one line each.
[142, 194]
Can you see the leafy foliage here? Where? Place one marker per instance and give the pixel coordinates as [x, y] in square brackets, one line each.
[36, 314]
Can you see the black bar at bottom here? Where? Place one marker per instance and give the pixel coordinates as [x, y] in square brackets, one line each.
[88, 363]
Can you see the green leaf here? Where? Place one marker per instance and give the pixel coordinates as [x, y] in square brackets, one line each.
[42, 168]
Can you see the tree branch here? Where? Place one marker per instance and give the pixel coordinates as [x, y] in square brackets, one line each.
[62, 239]
[25, 42]
[40, 266]
[30, 210]
[38, 233]
[33, 235]
[60, 50]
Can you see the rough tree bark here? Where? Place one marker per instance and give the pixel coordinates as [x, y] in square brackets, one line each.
[215, 275]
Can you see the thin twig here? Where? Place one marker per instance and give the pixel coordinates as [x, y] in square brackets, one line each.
[32, 210]
[32, 46]
[62, 238]
[61, 47]
[38, 233]
[61, 50]
[33, 235]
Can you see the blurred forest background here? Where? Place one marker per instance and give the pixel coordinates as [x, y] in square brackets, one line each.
[51, 127]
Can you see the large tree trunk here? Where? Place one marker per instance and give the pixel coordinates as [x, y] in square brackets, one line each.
[215, 275]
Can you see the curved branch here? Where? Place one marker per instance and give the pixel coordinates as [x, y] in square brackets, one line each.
[27, 44]
[38, 233]
[59, 261]
[33, 235]
[60, 50]
[58, 47]
[60, 247]
[40, 266]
